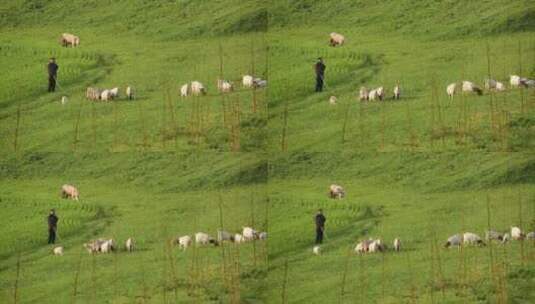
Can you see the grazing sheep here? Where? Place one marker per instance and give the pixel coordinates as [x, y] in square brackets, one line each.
[397, 244]
[397, 92]
[363, 246]
[372, 95]
[316, 250]
[363, 94]
[516, 233]
[376, 246]
[332, 100]
[491, 84]
[106, 247]
[470, 238]
[184, 90]
[58, 250]
[93, 246]
[238, 238]
[262, 235]
[197, 88]
[224, 236]
[129, 93]
[454, 240]
[451, 89]
[514, 80]
[247, 81]
[380, 93]
[202, 238]
[67, 39]
[224, 86]
[530, 235]
[92, 93]
[506, 238]
[114, 93]
[64, 100]
[336, 39]
[336, 191]
[184, 242]
[469, 86]
[249, 234]
[528, 83]
[129, 245]
[69, 191]
[259, 83]
[105, 95]
[491, 235]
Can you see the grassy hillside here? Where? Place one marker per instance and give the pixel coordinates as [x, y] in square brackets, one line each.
[421, 169]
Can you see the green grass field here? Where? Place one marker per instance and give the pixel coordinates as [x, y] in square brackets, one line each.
[422, 168]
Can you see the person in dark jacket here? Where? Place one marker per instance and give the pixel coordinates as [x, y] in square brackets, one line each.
[52, 74]
[319, 68]
[52, 226]
[320, 226]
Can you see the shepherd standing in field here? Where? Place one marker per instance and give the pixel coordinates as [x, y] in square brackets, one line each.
[52, 74]
[319, 67]
[320, 226]
[52, 226]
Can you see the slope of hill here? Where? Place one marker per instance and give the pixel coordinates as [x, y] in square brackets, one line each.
[421, 169]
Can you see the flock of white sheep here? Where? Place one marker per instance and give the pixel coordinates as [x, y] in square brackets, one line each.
[196, 88]
[372, 245]
[108, 245]
[515, 81]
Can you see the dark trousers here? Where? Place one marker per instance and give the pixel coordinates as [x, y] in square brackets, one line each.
[51, 236]
[51, 83]
[319, 235]
[319, 83]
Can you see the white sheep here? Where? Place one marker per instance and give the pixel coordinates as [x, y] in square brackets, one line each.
[376, 246]
[397, 244]
[238, 238]
[184, 90]
[363, 94]
[184, 242]
[70, 191]
[372, 95]
[224, 86]
[263, 235]
[454, 240]
[514, 80]
[197, 88]
[202, 238]
[397, 92]
[64, 100]
[336, 39]
[129, 92]
[491, 84]
[530, 235]
[363, 246]
[470, 238]
[332, 100]
[516, 233]
[249, 234]
[105, 95]
[506, 238]
[336, 191]
[470, 87]
[380, 93]
[129, 244]
[451, 89]
[316, 250]
[58, 250]
[114, 93]
[247, 81]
